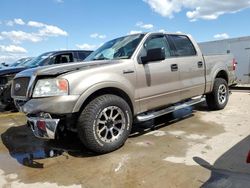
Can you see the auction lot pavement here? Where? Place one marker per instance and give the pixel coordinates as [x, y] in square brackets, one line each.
[190, 148]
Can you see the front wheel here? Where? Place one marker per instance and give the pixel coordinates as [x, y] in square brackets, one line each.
[105, 123]
[218, 98]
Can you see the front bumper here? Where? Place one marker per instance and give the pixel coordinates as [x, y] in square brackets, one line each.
[43, 127]
[52, 105]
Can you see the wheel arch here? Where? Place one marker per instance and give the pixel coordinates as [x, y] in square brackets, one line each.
[91, 94]
[220, 74]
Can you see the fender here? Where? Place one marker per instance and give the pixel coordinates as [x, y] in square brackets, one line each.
[216, 73]
[84, 96]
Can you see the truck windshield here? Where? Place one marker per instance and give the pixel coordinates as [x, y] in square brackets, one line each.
[120, 48]
[38, 61]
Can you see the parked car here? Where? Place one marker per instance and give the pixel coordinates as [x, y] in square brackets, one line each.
[48, 58]
[16, 63]
[20, 62]
[132, 78]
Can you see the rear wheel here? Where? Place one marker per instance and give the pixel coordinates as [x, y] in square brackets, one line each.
[105, 123]
[218, 98]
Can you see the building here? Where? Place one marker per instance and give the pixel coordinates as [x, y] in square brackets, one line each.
[239, 47]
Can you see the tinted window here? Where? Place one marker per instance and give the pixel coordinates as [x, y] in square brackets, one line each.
[183, 45]
[158, 42]
[62, 58]
[82, 55]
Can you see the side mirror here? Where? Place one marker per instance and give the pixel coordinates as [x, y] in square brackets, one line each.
[155, 54]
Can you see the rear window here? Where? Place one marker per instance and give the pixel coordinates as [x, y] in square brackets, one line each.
[183, 45]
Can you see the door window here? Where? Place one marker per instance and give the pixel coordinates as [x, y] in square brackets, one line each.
[158, 41]
[183, 45]
[83, 55]
[62, 58]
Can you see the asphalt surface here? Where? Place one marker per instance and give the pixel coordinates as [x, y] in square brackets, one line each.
[189, 148]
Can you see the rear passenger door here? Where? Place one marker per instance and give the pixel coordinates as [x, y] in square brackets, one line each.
[190, 65]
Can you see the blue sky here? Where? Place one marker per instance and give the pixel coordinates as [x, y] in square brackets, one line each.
[31, 27]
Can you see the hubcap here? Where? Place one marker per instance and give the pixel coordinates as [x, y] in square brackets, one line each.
[110, 124]
[222, 94]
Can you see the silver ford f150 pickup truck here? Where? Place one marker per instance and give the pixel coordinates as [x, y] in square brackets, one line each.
[132, 78]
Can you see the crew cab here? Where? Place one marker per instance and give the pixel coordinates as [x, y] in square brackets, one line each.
[132, 78]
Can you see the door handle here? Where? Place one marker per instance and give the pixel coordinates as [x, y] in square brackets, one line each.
[128, 71]
[174, 67]
[200, 64]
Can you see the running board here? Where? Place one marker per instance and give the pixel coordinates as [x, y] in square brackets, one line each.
[152, 115]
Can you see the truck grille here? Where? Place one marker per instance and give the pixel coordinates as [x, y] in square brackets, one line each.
[20, 86]
[3, 80]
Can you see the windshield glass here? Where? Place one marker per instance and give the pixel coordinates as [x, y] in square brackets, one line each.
[38, 61]
[121, 48]
[21, 62]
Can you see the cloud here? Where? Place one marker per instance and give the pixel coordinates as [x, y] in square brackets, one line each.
[221, 36]
[96, 35]
[51, 30]
[9, 23]
[19, 36]
[162, 30]
[134, 32]
[35, 24]
[44, 31]
[145, 26]
[16, 21]
[19, 21]
[86, 46]
[47, 30]
[12, 49]
[197, 9]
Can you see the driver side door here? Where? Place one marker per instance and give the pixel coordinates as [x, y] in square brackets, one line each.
[158, 81]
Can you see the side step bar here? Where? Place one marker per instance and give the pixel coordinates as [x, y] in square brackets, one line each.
[154, 114]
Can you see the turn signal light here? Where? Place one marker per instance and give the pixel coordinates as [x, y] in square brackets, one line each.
[41, 125]
[63, 85]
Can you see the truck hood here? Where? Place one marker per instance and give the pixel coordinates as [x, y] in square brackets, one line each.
[11, 70]
[55, 70]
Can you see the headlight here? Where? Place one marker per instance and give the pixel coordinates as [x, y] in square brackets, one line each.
[51, 87]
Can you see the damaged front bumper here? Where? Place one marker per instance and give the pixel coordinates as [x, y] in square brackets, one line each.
[43, 127]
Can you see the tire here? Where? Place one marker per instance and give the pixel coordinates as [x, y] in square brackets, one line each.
[105, 124]
[218, 98]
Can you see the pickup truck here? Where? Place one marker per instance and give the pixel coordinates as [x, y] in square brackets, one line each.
[129, 79]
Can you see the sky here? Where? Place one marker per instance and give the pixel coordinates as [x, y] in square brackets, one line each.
[32, 27]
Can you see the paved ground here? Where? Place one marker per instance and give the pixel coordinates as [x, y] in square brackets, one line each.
[190, 148]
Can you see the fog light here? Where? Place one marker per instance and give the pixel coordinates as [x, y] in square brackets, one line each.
[41, 125]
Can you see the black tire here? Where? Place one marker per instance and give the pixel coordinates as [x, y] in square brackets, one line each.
[102, 133]
[218, 98]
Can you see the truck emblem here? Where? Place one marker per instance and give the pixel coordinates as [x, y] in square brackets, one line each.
[17, 86]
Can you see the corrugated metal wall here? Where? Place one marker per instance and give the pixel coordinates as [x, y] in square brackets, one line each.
[239, 47]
